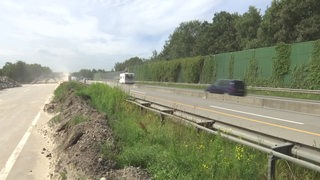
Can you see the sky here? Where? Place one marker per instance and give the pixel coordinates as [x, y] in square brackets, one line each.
[69, 35]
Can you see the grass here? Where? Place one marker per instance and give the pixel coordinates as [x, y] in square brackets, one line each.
[296, 95]
[174, 151]
[77, 119]
[62, 91]
[55, 120]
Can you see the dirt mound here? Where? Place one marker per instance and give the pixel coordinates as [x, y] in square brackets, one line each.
[6, 82]
[79, 132]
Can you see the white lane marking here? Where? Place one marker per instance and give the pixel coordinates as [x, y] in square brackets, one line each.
[269, 117]
[15, 154]
[137, 92]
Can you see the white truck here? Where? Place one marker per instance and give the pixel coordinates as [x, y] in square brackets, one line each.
[126, 78]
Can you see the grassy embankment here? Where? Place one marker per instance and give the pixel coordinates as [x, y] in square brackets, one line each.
[174, 151]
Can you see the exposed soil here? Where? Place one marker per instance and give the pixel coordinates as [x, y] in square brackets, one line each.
[77, 148]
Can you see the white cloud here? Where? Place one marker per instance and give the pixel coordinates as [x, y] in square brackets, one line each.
[78, 34]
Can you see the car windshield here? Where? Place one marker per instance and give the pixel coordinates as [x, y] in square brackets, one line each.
[239, 84]
[222, 83]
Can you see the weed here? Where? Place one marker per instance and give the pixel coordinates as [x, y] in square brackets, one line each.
[63, 175]
[108, 151]
[55, 120]
[77, 119]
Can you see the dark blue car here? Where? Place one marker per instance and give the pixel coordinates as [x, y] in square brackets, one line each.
[230, 86]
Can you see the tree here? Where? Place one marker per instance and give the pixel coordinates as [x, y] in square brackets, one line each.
[222, 33]
[24, 73]
[290, 21]
[182, 42]
[269, 26]
[128, 63]
[247, 27]
[154, 55]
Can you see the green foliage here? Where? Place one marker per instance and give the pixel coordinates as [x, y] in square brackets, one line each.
[299, 77]
[55, 120]
[128, 63]
[163, 71]
[314, 74]
[290, 21]
[87, 73]
[182, 43]
[25, 73]
[208, 73]
[62, 91]
[247, 28]
[104, 98]
[206, 69]
[281, 64]
[297, 171]
[172, 151]
[252, 72]
[77, 119]
[191, 70]
[63, 175]
[186, 70]
[108, 151]
[231, 67]
[286, 94]
[222, 34]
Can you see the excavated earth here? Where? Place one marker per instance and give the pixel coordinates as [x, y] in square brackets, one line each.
[77, 151]
[6, 82]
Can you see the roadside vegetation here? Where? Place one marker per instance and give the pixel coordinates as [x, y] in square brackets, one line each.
[307, 96]
[172, 150]
[25, 73]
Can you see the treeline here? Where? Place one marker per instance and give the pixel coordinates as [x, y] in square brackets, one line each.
[87, 73]
[285, 21]
[128, 63]
[24, 73]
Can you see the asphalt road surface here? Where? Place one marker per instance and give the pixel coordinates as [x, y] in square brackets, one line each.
[289, 125]
[21, 143]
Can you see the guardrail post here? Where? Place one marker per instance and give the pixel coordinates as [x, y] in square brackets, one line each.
[271, 166]
[162, 118]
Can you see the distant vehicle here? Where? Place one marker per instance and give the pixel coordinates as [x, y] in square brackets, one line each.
[126, 78]
[230, 86]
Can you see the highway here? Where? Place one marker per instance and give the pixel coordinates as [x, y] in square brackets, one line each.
[293, 126]
[22, 119]
[21, 143]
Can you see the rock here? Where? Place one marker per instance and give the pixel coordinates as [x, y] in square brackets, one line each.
[49, 155]
[6, 82]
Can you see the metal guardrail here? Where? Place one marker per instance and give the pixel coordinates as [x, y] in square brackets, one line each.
[276, 148]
